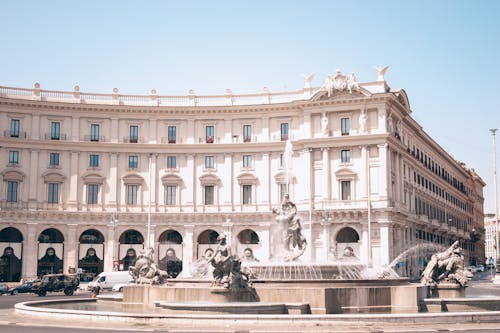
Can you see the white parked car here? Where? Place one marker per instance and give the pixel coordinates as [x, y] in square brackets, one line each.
[480, 268]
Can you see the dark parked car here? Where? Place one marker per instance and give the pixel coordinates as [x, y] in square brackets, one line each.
[4, 288]
[23, 288]
[56, 282]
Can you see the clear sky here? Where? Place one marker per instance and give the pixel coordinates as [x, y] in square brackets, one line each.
[445, 54]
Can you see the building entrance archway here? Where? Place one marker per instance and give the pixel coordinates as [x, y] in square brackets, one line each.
[50, 252]
[11, 247]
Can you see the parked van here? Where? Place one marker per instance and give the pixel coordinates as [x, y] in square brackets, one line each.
[106, 280]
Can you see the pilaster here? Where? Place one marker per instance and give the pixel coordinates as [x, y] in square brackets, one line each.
[34, 179]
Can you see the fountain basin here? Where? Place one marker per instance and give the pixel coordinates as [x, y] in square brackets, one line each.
[323, 297]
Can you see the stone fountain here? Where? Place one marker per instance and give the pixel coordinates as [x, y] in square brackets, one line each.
[285, 285]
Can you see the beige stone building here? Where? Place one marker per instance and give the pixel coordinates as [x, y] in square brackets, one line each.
[82, 174]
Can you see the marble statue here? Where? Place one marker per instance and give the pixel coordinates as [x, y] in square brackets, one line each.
[307, 80]
[145, 271]
[227, 268]
[381, 72]
[446, 267]
[362, 122]
[324, 124]
[352, 84]
[292, 229]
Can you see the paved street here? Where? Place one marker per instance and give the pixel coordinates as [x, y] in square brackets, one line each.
[10, 322]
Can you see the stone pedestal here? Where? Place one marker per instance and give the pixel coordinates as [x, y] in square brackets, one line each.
[447, 290]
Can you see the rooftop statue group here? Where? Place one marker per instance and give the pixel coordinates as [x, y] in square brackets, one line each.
[446, 267]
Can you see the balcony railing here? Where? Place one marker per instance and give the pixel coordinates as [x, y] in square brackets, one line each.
[92, 138]
[15, 205]
[132, 139]
[153, 99]
[49, 136]
[165, 139]
[17, 135]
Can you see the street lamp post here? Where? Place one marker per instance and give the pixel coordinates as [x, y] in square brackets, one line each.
[497, 257]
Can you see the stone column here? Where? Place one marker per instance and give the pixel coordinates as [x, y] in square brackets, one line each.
[382, 114]
[35, 127]
[112, 181]
[306, 126]
[384, 170]
[191, 181]
[188, 245]
[363, 176]
[363, 256]
[70, 248]
[266, 180]
[326, 241]
[228, 130]
[191, 135]
[111, 248]
[75, 128]
[152, 131]
[73, 180]
[115, 130]
[265, 129]
[30, 252]
[152, 184]
[306, 200]
[34, 180]
[384, 244]
[228, 181]
[265, 238]
[326, 174]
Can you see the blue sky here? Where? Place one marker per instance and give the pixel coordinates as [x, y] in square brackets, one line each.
[445, 54]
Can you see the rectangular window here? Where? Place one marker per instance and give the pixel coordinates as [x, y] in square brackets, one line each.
[247, 161]
[55, 130]
[170, 195]
[345, 189]
[171, 162]
[345, 156]
[54, 159]
[94, 161]
[209, 134]
[92, 193]
[247, 133]
[53, 195]
[12, 191]
[94, 132]
[247, 194]
[284, 131]
[132, 194]
[133, 162]
[14, 128]
[345, 126]
[209, 195]
[209, 162]
[13, 157]
[172, 134]
[134, 134]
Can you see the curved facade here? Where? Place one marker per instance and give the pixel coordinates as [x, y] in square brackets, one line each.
[82, 173]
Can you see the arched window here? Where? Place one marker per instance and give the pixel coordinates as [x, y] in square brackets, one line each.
[248, 236]
[50, 252]
[91, 255]
[208, 237]
[131, 237]
[170, 236]
[10, 251]
[347, 235]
